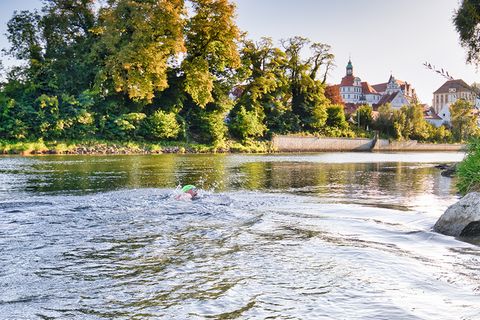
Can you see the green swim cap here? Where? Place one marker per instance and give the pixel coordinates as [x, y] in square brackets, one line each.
[188, 187]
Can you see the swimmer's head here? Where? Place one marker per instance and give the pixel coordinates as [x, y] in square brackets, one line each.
[191, 189]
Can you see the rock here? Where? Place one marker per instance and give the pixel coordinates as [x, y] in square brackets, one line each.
[449, 171]
[461, 218]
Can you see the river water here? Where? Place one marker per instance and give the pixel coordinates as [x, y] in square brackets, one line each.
[315, 236]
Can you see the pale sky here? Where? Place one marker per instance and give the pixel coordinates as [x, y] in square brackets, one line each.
[381, 36]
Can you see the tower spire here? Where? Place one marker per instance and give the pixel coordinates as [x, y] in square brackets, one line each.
[349, 68]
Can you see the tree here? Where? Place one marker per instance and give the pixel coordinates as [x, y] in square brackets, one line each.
[464, 120]
[467, 20]
[22, 33]
[138, 40]
[56, 45]
[208, 70]
[409, 123]
[384, 121]
[333, 94]
[161, 125]
[211, 42]
[66, 30]
[364, 116]
[247, 125]
[262, 94]
[336, 117]
[308, 99]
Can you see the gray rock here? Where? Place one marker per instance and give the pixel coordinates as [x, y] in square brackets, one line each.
[461, 218]
[449, 171]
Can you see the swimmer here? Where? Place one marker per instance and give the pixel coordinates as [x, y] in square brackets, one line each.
[189, 192]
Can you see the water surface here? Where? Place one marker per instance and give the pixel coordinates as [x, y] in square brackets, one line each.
[311, 236]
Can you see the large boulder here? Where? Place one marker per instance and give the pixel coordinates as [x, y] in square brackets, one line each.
[462, 218]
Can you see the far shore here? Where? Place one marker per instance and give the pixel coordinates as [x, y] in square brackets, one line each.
[279, 144]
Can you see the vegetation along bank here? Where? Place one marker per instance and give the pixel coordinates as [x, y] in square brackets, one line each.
[148, 76]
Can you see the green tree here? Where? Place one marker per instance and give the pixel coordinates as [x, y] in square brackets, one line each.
[138, 39]
[263, 93]
[56, 44]
[467, 20]
[464, 120]
[364, 116]
[211, 42]
[247, 125]
[409, 123]
[384, 121]
[209, 69]
[308, 101]
[161, 125]
[66, 29]
[336, 117]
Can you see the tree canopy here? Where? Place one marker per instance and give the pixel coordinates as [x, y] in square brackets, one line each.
[172, 70]
[467, 20]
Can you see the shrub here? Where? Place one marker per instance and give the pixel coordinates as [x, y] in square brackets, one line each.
[336, 117]
[128, 125]
[161, 125]
[247, 125]
[468, 171]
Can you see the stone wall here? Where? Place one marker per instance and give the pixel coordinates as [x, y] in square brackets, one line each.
[412, 145]
[315, 144]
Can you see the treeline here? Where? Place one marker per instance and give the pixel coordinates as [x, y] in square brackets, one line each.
[169, 70]
[408, 123]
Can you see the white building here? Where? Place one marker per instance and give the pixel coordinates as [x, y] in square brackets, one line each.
[449, 93]
[354, 91]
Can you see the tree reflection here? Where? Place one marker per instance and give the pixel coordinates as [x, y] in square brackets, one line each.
[383, 181]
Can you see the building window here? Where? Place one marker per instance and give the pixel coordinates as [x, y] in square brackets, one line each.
[348, 96]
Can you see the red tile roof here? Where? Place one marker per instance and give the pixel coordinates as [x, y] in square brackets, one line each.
[347, 81]
[351, 107]
[381, 87]
[387, 98]
[368, 89]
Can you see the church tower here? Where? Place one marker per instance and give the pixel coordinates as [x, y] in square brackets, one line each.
[349, 68]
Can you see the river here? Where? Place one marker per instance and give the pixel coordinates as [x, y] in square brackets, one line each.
[307, 236]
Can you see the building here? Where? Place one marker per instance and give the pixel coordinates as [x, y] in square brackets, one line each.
[354, 92]
[431, 116]
[449, 93]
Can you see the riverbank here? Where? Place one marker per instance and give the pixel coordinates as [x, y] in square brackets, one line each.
[285, 144]
[99, 147]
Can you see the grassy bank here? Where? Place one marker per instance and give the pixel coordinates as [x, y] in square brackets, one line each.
[125, 147]
[468, 171]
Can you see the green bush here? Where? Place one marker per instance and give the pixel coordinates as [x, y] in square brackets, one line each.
[336, 117]
[364, 116]
[208, 127]
[468, 171]
[247, 125]
[161, 125]
[128, 125]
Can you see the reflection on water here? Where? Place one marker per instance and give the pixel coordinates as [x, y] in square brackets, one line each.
[278, 237]
[382, 183]
[67, 174]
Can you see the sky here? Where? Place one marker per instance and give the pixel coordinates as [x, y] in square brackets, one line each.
[382, 37]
